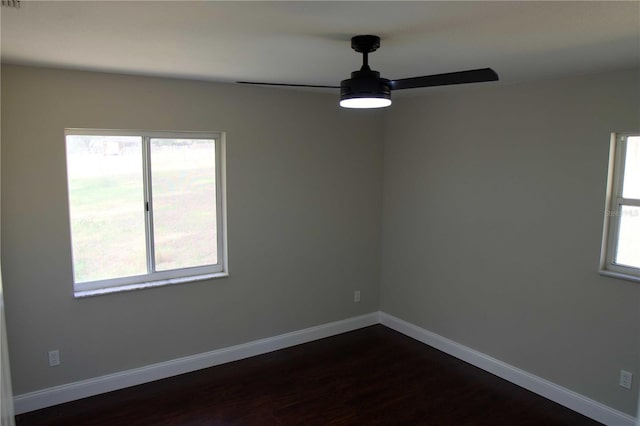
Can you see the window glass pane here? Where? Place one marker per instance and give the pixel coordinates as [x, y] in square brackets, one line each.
[628, 252]
[184, 202]
[631, 185]
[106, 206]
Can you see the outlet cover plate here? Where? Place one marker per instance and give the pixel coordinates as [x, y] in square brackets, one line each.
[54, 358]
[626, 379]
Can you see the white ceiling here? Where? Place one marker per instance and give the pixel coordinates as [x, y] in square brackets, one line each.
[308, 42]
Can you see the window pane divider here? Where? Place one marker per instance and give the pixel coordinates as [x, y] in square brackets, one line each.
[148, 204]
[628, 202]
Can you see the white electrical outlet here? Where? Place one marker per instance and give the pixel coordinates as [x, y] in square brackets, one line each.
[54, 358]
[356, 296]
[625, 379]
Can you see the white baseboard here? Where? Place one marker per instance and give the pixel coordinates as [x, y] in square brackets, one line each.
[85, 388]
[545, 388]
[563, 396]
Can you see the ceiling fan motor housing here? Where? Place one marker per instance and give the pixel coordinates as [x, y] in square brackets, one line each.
[365, 84]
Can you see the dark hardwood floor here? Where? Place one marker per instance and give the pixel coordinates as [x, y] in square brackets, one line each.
[372, 376]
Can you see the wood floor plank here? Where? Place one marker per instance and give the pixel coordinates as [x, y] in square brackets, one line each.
[372, 376]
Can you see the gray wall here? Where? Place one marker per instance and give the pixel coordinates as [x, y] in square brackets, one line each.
[492, 221]
[492, 218]
[304, 206]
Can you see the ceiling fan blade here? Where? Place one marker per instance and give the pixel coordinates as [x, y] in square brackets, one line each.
[460, 77]
[286, 84]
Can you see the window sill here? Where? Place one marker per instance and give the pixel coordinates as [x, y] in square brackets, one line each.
[80, 294]
[620, 275]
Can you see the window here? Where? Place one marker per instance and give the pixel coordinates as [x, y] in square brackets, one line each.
[145, 208]
[621, 240]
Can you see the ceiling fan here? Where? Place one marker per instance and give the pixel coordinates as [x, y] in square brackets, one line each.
[366, 89]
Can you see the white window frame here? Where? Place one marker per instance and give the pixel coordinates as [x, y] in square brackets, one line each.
[175, 276]
[614, 202]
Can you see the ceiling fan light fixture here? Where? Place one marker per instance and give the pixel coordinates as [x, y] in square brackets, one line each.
[365, 103]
